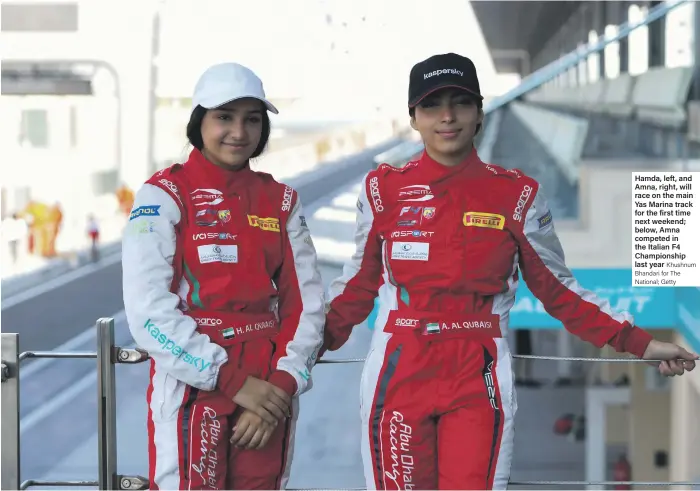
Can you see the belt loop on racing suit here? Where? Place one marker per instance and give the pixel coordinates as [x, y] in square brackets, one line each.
[229, 328]
[433, 326]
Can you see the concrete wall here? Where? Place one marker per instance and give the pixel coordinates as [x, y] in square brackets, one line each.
[603, 236]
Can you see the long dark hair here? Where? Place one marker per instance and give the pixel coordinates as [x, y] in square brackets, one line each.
[194, 130]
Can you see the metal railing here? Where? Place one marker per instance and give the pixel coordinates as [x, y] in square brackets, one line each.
[107, 356]
[568, 61]
[399, 155]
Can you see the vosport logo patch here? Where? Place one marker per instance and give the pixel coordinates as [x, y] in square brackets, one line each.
[167, 344]
[485, 220]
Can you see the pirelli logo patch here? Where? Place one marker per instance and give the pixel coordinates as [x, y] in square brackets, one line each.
[486, 220]
[267, 224]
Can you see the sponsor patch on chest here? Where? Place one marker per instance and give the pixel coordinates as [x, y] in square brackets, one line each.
[215, 253]
[485, 220]
[410, 251]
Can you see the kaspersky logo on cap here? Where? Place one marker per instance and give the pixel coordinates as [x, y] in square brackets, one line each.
[444, 71]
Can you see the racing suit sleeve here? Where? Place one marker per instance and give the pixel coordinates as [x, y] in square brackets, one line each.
[301, 301]
[582, 312]
[351, 296]
[155, 322]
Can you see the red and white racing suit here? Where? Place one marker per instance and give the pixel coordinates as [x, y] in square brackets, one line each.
[220, 282]
[443, 248]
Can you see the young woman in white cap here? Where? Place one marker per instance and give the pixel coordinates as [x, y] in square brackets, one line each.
[222, 289]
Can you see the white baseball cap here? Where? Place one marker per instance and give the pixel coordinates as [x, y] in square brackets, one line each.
[226, 82]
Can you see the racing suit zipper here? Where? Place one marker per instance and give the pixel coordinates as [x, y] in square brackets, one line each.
[459, 236]
[401, 292]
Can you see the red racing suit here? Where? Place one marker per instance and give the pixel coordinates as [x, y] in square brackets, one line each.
[220, 282]
[443, 249]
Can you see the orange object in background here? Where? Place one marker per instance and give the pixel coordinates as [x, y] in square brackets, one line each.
[38, 216]
[125, 196]
[53, 226]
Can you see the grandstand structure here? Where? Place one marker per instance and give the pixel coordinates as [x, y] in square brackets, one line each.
[608, 89]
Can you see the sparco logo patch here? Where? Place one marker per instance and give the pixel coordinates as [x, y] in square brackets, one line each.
[524, 195]
[374, 192]
[208, 321]
[172, 187]
[287, 200]
[400, 322]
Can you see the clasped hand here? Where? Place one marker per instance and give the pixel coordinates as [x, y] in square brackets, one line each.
[251, 431]
[676, 359]
[265, 405]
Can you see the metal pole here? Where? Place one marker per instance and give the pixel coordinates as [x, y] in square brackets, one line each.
[10, 411]
[106, 406]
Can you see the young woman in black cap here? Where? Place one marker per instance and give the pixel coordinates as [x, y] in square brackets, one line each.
[443, 242]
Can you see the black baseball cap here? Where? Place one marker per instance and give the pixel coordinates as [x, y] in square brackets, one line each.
[439, 72]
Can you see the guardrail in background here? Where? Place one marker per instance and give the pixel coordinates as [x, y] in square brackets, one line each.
[570, 60]
[399, 155]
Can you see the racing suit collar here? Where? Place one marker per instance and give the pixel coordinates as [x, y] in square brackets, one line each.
[469, 165]
[215, 175]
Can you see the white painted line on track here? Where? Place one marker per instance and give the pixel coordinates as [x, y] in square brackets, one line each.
[51, 406]
[61, 280]
[71, 393]
[88, 336]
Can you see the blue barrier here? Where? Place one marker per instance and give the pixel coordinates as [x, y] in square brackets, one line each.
[652, 307]
[688, 300]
